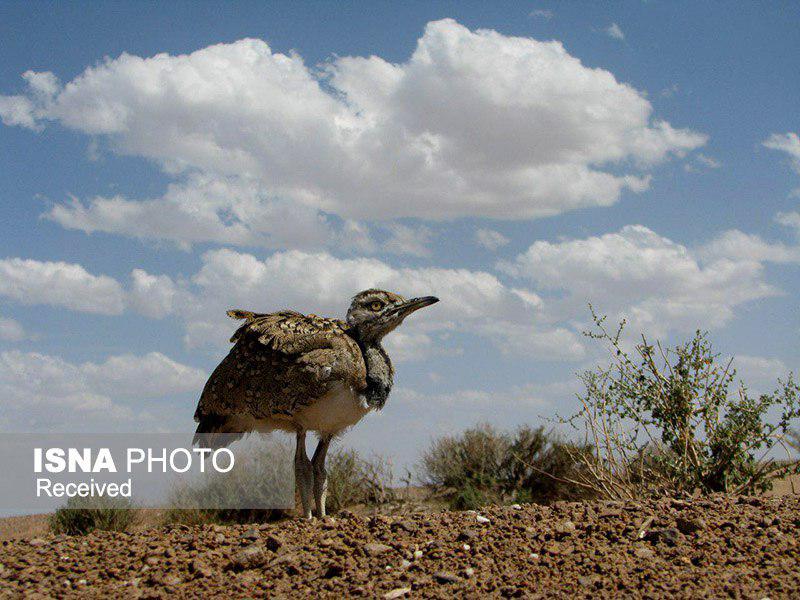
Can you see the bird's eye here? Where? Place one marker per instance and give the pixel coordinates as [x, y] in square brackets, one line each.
[376, 306]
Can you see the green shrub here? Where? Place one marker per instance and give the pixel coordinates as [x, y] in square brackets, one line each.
[83, 515]
[482, 466]
[666, 422]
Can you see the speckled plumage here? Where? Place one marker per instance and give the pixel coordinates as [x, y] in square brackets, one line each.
[281, 362]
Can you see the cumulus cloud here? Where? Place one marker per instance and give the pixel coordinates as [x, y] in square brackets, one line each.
[60, 284]
[203, 209]
[474, 123]
[490, 239]
[41, 391]
[11, 330]
[614, 31]
[739, 246]
[788, 143]
[414, 241]
[473, 302]
[542, 13]
[635, 273]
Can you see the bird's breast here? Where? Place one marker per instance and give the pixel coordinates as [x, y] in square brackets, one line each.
[340, 408]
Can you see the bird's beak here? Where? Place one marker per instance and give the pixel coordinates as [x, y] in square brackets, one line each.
[414, 304]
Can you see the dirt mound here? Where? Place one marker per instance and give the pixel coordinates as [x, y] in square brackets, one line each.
[743, 547]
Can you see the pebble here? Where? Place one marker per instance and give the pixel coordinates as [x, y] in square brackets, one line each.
[469, 572]
[376, 549]
[396, 593]
[565, 528]
[37, 542]
[687, 526]
[482, 519]
[467, 535]
[643, 553]
[445, 577]
[248, 558]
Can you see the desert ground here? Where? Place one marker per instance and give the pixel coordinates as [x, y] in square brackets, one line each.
[720, 546]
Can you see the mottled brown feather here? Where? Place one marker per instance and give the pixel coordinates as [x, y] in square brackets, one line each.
[281, 362]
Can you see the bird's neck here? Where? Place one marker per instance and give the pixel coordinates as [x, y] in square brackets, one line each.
[380, 373]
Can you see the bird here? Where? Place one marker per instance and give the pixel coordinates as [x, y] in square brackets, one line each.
[303, 373]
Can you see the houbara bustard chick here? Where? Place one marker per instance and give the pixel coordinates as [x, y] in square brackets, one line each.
[304, 373]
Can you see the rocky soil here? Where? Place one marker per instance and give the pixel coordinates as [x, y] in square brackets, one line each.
[718, 547]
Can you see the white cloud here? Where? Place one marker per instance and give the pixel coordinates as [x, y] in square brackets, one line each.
[471, 301]
[154, 296]
[403, 239]
[615, 32]
[739, 246]
[789, 219]
[760, 373]
[542, 13]
[475, 123]
[40, 391]
[490, 239]
[11, 330]
[708, 161]
[788, 143]
[60, 284]
[203, 209]
[635, 273]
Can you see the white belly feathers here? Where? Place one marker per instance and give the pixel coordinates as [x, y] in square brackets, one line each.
[339, 409]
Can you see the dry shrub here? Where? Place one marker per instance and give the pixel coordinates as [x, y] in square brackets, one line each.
[83, 515]
[354, 480]
[257, 482]
[483, 466]
[666, 422]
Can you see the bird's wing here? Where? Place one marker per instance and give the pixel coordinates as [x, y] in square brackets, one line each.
[281, 362]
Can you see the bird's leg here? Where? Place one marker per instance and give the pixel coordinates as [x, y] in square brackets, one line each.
[303, 473]
[320, 474]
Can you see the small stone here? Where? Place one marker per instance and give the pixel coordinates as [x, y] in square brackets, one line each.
[417, 554]
[565, 528]
[376, 549]
[445, 577]
[248, 558]
[272, 543]
[467, 535]
[644, 553]
[669, 535]
[333, 570]
[482, 519]
[533, 556]
[688, 526]
[404, 564]
[250, 534]
[516, 506]
[171, 580]
[37, 542]
[469, 572]
[396, 593]
[643, 528]
[466, 547]
[199, 569]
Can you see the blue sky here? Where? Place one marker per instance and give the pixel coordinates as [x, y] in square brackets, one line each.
[514, 178]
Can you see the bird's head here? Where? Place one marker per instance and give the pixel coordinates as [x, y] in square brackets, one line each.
[374, 313]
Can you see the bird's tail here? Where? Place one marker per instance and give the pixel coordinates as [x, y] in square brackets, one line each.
[214, 431]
